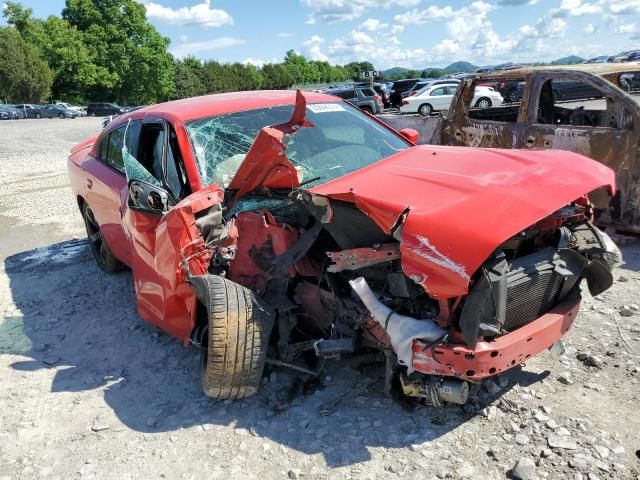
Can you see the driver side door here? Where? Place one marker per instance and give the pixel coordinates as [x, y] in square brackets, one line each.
[156, 181]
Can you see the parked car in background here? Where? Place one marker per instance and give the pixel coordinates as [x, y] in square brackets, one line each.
[104, 109]
[600, 59]
[364, 98]
[381, 89]
[628, 56]
[82, 111]
[9, 113]
[28, 110]
[17, 112]
[413, 90]
[399, 87]
[53, 111]
[438, 97]
[433, 83]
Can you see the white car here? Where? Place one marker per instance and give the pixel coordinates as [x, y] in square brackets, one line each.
[81, 110]
[439, 98]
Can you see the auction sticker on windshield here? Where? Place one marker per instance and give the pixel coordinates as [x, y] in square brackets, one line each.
[325, 107]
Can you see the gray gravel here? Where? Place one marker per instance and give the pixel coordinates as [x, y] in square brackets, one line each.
[88, 390]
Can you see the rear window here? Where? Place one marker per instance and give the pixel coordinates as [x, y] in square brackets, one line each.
[368, 92]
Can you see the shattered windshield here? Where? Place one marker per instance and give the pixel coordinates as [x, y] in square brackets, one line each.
[342, 140]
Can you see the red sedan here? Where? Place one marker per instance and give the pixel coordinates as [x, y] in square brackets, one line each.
[262, 226]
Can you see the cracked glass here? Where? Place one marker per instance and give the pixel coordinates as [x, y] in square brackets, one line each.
[342, 140]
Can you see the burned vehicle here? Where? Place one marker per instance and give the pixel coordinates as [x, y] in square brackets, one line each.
[267, 226]
[589, 109]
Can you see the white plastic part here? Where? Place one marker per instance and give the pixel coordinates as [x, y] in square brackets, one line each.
[402, 330]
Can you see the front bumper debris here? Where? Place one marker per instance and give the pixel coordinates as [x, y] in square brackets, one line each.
[502, 353]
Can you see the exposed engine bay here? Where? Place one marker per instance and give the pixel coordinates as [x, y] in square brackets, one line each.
[337, 287]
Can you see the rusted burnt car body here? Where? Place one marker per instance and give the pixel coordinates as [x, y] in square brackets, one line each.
[593, 110]
[264, 226]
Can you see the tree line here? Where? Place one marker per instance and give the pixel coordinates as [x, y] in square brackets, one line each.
[105, 50]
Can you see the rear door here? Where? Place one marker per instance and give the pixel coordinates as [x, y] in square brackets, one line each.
[440, 98]
[105, 189]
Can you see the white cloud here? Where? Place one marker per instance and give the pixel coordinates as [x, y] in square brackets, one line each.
[372, 24]
[624, 7]
[284, 35]
[545, 28]
[200, 14]
[331, 11]
[313, 49]
[589, 29]
[627, 28]
[185, 49]
[257, 62]
[433, 13]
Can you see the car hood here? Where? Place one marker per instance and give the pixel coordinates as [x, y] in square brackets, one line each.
[453, 206]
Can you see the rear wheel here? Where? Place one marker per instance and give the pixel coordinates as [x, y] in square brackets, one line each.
[99, 248]
[38, 115]
[61, 115]
[235, 340]
[512, 95]
[425, 109]
[484, 102]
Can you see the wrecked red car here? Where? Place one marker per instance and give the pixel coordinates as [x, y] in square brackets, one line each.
[265, 226]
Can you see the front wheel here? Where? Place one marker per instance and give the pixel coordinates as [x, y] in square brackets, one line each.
[38, 115]
[102, 254]
[484, 102]
[512, 95]
[425, 109]
[235, 340]
[61, 115]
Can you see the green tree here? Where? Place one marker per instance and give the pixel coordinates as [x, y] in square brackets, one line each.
[64, 49]
[188, 78]
[275, 76]
[126, 46]
[24, 74]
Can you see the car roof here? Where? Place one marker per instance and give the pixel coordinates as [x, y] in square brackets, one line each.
[221, 103]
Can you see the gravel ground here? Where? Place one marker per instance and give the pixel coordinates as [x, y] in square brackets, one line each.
[88, 390]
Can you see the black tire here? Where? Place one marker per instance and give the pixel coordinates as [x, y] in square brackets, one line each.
[61, 115]
[92, 114]
[38, 116]
[102, 254]
[367, 109]
[425, 109]
[483, 102]
[235, 344]
[512, 95]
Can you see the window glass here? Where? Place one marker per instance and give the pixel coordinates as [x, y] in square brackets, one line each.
[367, 92]
[497, 100]
[176, 176]
[437, 92]
[114, 155]
[575, 103]
[104, 147]
[322, 152]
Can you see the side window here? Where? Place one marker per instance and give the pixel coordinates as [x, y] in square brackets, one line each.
[114, 154]
[103, 148]
[148, 165]
[575, 103]
[496, 100]
[438, 92]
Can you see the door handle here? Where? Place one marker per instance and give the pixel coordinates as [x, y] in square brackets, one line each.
[89, 183]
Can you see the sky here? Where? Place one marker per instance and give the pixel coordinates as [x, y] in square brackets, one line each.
[390, 33]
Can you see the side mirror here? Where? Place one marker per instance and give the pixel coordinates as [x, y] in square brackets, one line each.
[410, 134]
[150, 198]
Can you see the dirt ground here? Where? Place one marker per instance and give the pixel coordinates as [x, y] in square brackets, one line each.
[88, 390]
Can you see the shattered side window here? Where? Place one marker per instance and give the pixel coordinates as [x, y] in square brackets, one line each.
[342, 140]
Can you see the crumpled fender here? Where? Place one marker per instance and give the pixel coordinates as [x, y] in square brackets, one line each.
[180, 248]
